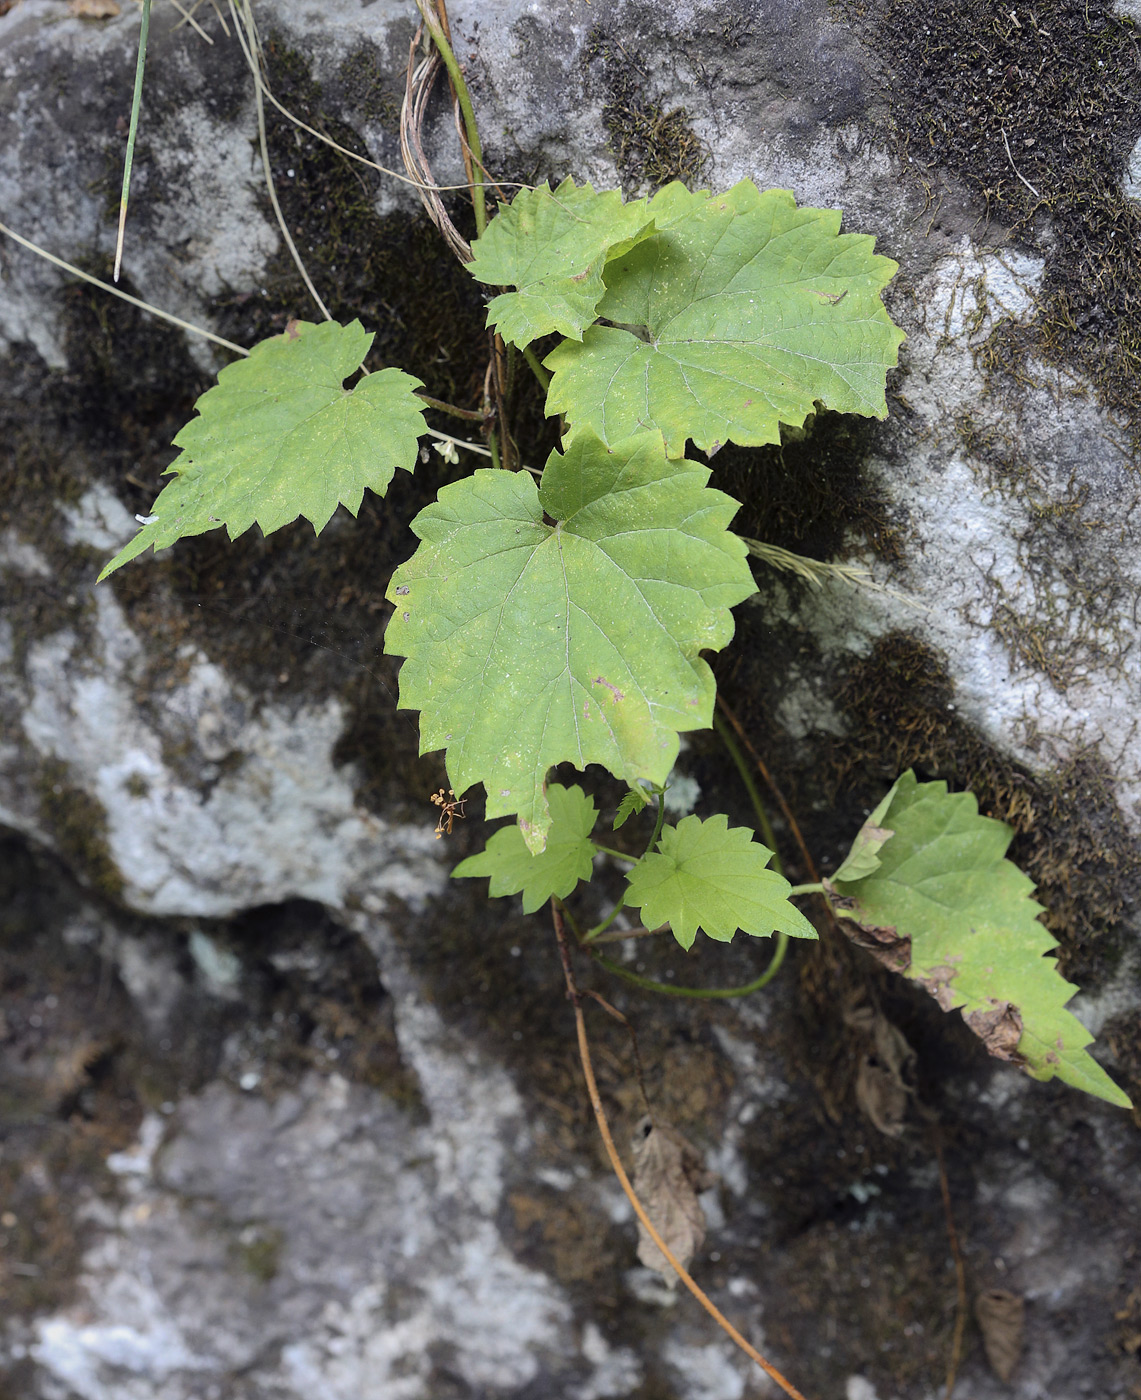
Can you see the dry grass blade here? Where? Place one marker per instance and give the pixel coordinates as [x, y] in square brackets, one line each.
[251, 47]
[188, 18]
[419, 81]
[124, 296]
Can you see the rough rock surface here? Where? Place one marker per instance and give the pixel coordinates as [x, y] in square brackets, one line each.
[285, 1112]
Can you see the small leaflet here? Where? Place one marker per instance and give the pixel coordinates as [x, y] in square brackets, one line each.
[279, 437]
[553, 247]
[556, 870]
[708, 875]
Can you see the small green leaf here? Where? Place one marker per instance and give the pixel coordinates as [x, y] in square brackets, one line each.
[634, 801]
[553, 247]
[739, 313]
[945, 907]
[279, 436]
[864, 858]
[555, 870]
[566, 622]
[713, 876]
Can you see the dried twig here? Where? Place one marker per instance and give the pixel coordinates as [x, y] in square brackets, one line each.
[960, 1268]
[1015, 168]
[575, 998]
[762, 768]
[625, 1021]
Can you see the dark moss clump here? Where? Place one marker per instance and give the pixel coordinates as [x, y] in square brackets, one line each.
[810, 493]
[1070, 835]
[78, 825]
[651, 146]
[311, 999]
[374, 92]
[1036, 111]
[131, 386]
[67, 1079]
[258, 1252]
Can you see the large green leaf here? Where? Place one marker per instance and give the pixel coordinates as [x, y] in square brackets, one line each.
[556, 870]
[565, 622]
[943, 906]
[553, 247]
[713, 876]
[739, 313]
[279, 436]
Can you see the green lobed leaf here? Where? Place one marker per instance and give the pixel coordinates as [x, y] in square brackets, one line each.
[279, 436]
[553, 247]
[864, 856]
[554, 871]
[944, 907]
[739, 313]
[634, 801]
[713, 876]
[566, 622]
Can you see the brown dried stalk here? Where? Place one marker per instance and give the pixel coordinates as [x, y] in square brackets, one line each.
[575, 998]
[419, 81]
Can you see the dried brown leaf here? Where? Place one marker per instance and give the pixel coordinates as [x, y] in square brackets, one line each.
[999, 1029]
[93, 9]
[668, 1174]
[881, 1097]
[885, 1079]
[1000, 1318]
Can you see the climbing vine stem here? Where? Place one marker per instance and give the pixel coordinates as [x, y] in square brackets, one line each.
[440, 39]
[699, 993]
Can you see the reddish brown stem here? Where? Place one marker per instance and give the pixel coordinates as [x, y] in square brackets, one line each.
[703, 1298]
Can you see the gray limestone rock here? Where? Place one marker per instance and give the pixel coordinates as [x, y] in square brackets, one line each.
[287, 1113]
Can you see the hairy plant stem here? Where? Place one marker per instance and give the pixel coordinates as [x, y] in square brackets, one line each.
[806, 889]
[471, 414]
[542, 375]
[616, 855]
[659, 823]
[575, 998]
[786, 810]
[136, 102]
[599, 929]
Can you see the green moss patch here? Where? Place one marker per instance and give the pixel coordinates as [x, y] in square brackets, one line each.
[651, 145]
[811, 493]
[78, 827]
[1036, 111]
